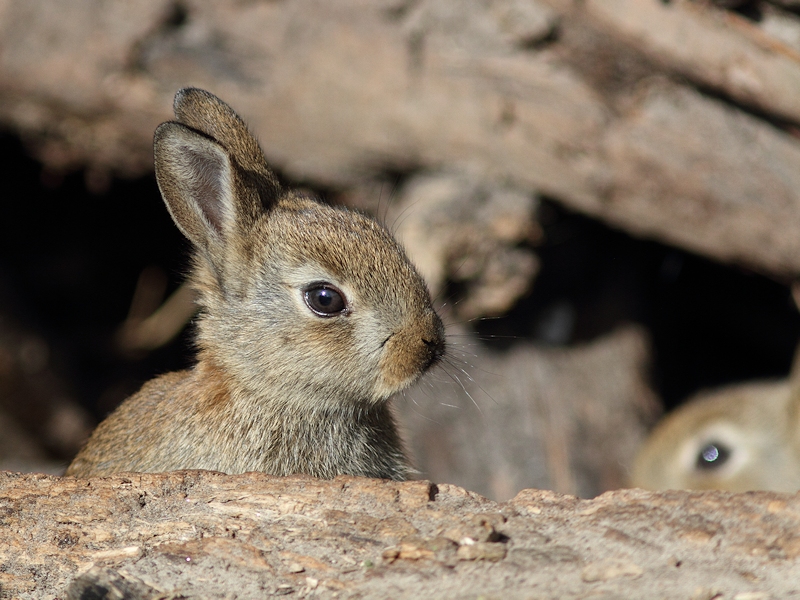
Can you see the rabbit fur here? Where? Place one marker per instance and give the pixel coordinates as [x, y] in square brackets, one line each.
[280, 386]
[738, 438]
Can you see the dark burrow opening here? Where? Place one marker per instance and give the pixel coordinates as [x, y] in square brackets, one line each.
[70, 259]
[709, 323]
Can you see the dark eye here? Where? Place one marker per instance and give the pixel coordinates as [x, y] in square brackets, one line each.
[325, 300]
[712, 456]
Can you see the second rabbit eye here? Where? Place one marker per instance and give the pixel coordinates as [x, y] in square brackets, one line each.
[712, 456]
[325, 300]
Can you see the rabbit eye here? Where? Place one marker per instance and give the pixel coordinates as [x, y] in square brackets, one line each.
[325, 300]
[712, 456]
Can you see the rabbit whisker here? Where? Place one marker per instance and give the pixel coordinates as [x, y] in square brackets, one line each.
[455, 378]
[404, 214]
[471, 380]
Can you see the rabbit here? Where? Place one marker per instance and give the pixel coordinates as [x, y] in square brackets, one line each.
[738, 438]
[311, 318]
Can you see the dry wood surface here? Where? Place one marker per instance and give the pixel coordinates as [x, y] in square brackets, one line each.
[198, 534]
[673, 120]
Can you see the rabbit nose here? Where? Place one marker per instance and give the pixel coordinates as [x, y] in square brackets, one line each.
[435, 349]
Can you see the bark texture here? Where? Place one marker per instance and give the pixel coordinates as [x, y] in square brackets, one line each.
[673, 120]
[204, 534]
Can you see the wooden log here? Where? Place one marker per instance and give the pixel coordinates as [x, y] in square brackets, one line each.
[207, 534]
[339, 90]
[716, 48]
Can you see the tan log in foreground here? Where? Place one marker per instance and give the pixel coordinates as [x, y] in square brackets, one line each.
[250, 536]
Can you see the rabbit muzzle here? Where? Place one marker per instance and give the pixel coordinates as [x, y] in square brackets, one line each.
[410, 352]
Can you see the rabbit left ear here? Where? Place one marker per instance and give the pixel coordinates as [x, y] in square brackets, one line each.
[204, 112]
[196, 179]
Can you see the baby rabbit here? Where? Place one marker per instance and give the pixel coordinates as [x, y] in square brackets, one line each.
[311, 318]
[742, 437]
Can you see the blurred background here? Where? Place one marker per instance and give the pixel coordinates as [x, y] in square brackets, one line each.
[604, 197]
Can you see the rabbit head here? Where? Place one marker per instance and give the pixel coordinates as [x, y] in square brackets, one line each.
[742, 437]
[307, 304]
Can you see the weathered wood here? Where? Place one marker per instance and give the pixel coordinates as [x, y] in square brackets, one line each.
[204, 534]
[715, 48]
[556, 98]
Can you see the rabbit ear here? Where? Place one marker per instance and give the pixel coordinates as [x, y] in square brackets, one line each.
[197, 182]
[208, 114]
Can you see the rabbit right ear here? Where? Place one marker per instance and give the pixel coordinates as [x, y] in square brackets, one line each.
[197, 181]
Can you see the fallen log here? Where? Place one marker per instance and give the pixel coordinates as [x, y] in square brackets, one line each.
[635, 111]
[195, 533]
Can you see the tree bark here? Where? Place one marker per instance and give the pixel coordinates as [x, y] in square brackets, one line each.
[671, 120]
[204, 534]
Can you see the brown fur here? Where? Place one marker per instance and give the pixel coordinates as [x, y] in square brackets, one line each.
[277, 388]
[757, 423]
